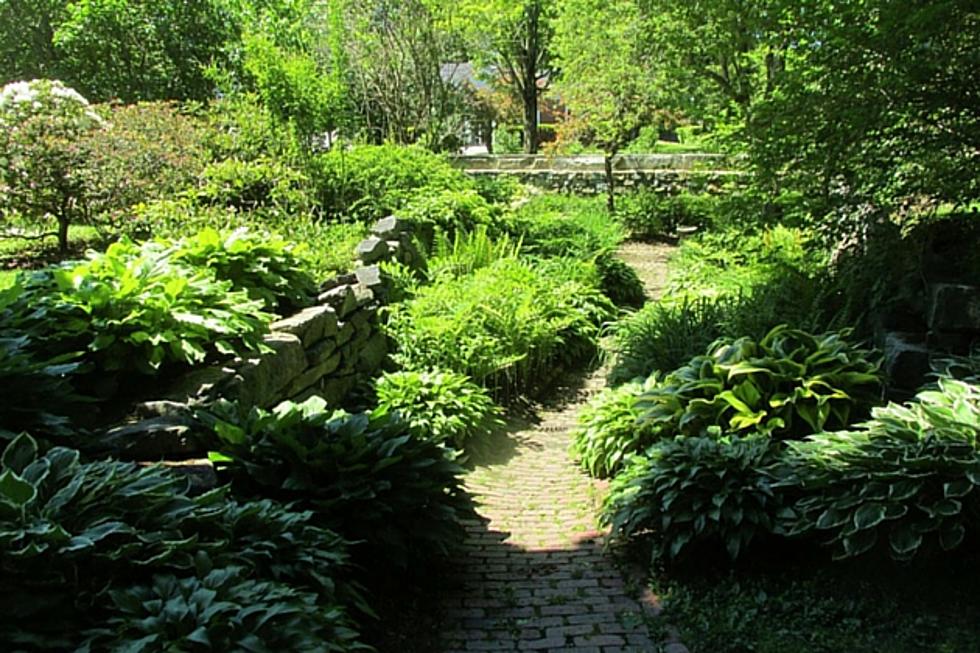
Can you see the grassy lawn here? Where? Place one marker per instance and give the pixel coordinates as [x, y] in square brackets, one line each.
[812, 606]
[26, 253]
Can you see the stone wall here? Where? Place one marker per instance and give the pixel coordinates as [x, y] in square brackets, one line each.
[326, 350]
[586, 175]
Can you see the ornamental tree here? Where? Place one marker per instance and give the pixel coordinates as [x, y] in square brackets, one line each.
[44, 171]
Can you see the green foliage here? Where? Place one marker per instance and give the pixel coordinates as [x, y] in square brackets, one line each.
[649, 214]
[240, 127]
[607, 433]
[506, 326]
[365, 476]
[146, 50]
[963, 368]
[134, 308]
[563, 225]
[371, 181]
[268, 268]
[664, 336]
[778, 603]
[146, 151]
[294, 88]
[38, 394]
[448, 211]
[467, 252]
[444, 407]
[220, 610]
[789, 383]
[498, 189]
[82, 541]
[695, 490]
[906, 477]
[251, 185]
[620, 282]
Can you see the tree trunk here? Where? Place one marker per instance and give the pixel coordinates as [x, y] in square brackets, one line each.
[529, 72]
[63, 234]
[610, 181]
[531, 118]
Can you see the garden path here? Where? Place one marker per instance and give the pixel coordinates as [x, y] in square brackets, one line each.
[534, 575]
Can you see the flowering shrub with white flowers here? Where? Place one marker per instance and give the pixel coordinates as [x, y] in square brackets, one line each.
[44, 169]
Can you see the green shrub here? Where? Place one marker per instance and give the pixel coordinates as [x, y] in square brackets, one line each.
[252, 185]
[365, 476]
[498, 189]
[786, 385]
[80, 541]
[507, 326]
[906, 477]
[607, 434]
[147, 151]
[371, 181]
[552, 225]
[444, 407]
[447, 211]
[620, 283]
[266, 267]
[649, 214]
[696, 490]
[239, 127]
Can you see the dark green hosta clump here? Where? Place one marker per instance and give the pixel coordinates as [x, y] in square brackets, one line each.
[83, 545]
[906, 479]
[607, 434]
[697, 490]
[365, 476]
[444, 407]
[786, 385]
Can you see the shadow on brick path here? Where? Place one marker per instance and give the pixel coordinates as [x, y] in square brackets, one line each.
[534, 575]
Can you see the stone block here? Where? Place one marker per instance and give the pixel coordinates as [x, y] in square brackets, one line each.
[345, 333]
[199, 473]
[312, 375]
[342, 299]
[335, 390]
[309, 325]
[320, 352]
[371, 250]
[369, 276]
[954, 307]
[199, 384]
[906, 360]
[266, 376]
[389, 226]
[337, 281]
[373, 353]
[156, 438]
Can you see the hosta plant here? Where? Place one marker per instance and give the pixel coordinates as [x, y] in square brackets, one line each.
[75, 536]
[696, 490]
[607, 433]
[267, 267]
[134, 307]
[906, 479]
[788, 384]
[445, 407]
[219, 610]
[365, 476]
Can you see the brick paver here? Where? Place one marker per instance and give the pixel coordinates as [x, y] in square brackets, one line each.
[534, 576]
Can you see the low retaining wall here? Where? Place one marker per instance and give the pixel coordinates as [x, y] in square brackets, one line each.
[326, 350]
[586, 174]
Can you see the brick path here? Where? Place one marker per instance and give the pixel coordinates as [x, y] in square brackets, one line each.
[535, 577]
